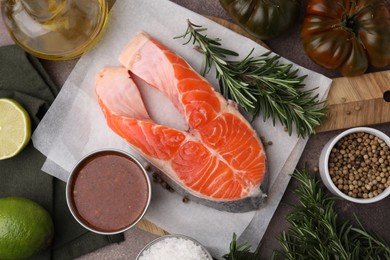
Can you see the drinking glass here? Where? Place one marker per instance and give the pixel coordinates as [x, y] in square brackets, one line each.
[55, 29]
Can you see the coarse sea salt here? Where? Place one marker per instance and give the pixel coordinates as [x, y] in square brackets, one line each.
[173, 248]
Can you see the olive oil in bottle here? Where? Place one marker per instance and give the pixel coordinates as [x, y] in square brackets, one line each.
[55, 29]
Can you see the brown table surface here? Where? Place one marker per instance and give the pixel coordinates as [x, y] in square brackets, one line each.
[374, 217]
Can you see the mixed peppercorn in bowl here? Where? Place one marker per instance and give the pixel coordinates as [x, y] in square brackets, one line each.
[355, 165]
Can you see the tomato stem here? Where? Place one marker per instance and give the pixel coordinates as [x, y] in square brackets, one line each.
[350, 20]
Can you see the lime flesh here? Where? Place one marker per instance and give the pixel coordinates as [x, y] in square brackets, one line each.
[15, 128]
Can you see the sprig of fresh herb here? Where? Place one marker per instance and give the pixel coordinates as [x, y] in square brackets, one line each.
[260, 84]
[315, 232]
[240, 252]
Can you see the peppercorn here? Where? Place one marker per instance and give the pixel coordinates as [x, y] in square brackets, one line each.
[359, 164]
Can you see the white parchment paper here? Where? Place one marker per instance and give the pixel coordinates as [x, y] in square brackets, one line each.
[75, 126]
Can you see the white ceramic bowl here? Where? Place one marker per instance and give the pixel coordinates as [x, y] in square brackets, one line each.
[324, 169]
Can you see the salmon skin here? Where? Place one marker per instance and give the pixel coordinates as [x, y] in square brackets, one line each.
[219, 161]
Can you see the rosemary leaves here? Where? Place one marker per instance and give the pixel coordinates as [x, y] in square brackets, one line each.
[260, 84]
[240, 252]
[316, 233]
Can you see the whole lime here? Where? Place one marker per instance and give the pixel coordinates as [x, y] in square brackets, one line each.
[25, 228]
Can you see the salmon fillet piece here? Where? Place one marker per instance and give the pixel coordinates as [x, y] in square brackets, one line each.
[219, 161]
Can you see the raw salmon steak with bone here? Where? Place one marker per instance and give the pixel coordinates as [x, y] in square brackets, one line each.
[219, 161]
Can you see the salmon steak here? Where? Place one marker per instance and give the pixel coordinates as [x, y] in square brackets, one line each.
[219, 161]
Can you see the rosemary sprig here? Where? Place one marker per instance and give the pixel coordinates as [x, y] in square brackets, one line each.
[260, 84]
[315, 232]
[240, 252]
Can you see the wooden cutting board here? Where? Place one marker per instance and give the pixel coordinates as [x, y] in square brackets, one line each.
[358, 101]
[355, 101]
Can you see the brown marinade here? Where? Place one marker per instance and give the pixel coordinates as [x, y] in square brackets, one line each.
[109, 191]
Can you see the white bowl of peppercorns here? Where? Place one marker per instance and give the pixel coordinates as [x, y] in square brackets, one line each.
[355, 165]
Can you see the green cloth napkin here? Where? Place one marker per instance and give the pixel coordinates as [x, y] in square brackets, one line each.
[23, 78]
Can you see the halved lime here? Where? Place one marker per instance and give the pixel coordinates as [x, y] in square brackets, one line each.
[15, 128]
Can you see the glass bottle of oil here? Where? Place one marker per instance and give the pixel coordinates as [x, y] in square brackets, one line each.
[55, 29]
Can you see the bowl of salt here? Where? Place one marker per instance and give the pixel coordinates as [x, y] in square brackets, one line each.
[174, 247]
